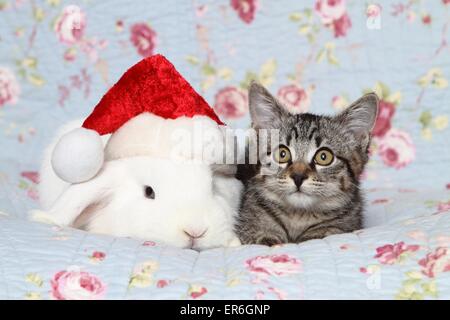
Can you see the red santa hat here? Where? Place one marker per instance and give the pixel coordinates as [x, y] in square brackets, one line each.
[150, 98]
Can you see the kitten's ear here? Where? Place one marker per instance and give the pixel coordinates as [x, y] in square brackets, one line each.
[360, 116]
[265, 111]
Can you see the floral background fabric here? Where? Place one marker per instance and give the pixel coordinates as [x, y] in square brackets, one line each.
[57, 59]
[405, 260]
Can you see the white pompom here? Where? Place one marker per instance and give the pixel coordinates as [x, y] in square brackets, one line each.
[78, 156]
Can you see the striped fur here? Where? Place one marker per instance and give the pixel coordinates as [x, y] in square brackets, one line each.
[274, 209]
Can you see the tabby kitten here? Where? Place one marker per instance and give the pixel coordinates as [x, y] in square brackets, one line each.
[314, 190]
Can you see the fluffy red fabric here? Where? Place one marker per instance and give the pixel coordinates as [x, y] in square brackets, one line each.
[152, 85]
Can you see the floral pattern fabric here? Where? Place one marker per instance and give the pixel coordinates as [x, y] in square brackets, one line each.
[409, 259]
[58, 57]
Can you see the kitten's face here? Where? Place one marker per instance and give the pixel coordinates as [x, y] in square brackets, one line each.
[313, 163]
[319, 159]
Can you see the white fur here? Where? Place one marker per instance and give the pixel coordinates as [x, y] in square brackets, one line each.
[78, 155]
[182, 139]
[189, 197]
[51, 186]
[186, 199]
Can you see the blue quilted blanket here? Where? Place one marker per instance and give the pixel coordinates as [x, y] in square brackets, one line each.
[405, 260]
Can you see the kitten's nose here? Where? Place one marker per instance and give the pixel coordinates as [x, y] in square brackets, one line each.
[194, 234]
[298, 179]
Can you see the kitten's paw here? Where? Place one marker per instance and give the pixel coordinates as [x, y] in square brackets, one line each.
[269, 241]
[42, 216]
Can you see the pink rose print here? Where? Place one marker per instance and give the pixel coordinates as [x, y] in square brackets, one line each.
[144, 39]
[396, 149]
[246, 9]
[263, 267]
[393, 253]
[380, 201]
[446, 1]
[341, 26]
[231, 103]
[373, 10]
[339, 102]
[259, 295]
[70, 25]
[417, 235]
[197, 291]
[162, 283]
[9, 88]
[276, 265]
[426, 19]
[333, 14]
[201, 10]
[330, 10]
[98, 256]
[443, 206]
[33, 194]
[70, 55]
[280, 294]
[91, 47]
[436, 262]
[295, 98]
[33, 176]
[149, 243]
[443, 240]
[119, 25]
[385, 114]
[76, 285]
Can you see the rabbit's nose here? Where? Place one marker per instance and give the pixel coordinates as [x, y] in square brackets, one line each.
[193, 234]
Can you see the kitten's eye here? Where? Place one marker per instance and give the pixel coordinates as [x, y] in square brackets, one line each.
[282, 154]
[324, 157]
[149, 193]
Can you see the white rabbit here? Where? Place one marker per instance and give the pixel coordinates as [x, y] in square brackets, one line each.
[181, 204]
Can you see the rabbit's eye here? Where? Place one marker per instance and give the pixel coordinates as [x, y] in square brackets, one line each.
[149, 193]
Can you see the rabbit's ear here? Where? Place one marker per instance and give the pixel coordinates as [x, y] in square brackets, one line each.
[88, 214]
[80, 197]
